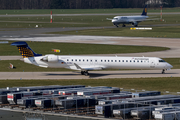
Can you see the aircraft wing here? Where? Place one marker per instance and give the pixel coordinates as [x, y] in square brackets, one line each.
[108, 18]
[87, 67]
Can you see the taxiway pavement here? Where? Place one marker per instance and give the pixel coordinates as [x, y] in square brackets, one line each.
[93, 75]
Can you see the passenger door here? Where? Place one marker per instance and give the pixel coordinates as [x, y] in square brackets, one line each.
[152, 63]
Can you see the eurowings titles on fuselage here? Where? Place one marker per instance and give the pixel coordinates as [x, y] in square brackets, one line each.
[89, 63]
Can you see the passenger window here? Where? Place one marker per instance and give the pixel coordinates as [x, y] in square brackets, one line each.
[115, 60]
[126, 60]
[108, 60]
[79, 60]
[130, 60]
[75, 59]
[87, 60]
[95, 60]
[122, 60]
[134, 61]
[101, 60]
[111, 60]
[67, 59]
[104, 60]
[138, 61]
[72, 60]
[141, 61]
[119, 60]
[83, 60]
[91, 60]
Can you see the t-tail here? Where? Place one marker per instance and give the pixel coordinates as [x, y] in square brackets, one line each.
[25, 50]
[144, 11]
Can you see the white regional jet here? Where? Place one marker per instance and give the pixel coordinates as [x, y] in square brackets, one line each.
[134, 20]
[88, 63]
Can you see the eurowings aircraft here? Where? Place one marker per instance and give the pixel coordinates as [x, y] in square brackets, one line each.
[134, 20]
[88, 63]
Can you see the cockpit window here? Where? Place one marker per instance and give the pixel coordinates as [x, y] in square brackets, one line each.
[115, 18]
[162, 61]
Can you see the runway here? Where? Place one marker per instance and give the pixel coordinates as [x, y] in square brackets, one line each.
[93, 75]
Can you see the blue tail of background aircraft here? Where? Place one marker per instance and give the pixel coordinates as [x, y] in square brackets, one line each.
[144, 11]
[25, 50]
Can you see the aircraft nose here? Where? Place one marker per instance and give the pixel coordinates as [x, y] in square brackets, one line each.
[113, 21]
[169, 66]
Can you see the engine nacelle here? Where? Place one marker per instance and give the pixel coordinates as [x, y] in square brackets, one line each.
[50, 58]
[135, 24]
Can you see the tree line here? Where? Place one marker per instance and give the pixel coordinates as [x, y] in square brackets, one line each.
[84, 4]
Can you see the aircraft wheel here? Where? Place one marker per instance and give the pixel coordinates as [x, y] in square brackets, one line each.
[163, 71]
[82, 72]
[123, 25]
[86, 73]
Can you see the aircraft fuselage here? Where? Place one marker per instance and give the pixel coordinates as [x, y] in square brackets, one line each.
[99, 62]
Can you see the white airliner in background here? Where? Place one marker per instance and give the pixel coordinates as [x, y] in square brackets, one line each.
[88, 63]
[134, 20]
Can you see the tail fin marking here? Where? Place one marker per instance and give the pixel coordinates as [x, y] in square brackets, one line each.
[25, 50]
[144, 11]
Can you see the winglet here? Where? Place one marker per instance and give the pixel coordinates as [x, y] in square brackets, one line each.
[25, 50]
[144, 11]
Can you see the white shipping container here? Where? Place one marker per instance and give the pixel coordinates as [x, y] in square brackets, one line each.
[164, 116]
[134, 113]
[10, 96]
[116, 112]
[38, 102]
[85, 93]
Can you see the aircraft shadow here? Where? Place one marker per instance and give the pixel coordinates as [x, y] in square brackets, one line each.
[59, 74]
[94, 75]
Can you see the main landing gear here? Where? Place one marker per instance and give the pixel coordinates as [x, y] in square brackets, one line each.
[84, 73]
[163, 71]
[123, 25]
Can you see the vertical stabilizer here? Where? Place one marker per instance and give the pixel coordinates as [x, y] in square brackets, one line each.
[25, 50]
[144, 11]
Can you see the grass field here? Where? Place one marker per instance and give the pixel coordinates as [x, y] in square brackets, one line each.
[20, 66]
[85, 11]
[77, 49]
[75, 21]
[170, 84]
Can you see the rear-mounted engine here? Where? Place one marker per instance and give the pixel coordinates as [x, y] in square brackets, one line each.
[50, 58]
